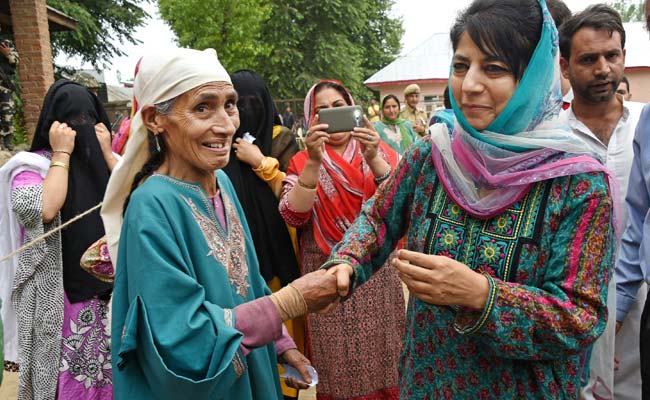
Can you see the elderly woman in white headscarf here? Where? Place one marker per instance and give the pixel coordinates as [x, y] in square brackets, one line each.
[192, 316]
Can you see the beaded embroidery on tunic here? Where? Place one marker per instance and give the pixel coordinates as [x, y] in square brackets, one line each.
[228, 248]
[237, 363]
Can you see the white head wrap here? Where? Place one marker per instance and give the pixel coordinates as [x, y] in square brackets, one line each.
[161, 77]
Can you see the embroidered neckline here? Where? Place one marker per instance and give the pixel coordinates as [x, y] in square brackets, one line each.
[227, 247]
[207, 203]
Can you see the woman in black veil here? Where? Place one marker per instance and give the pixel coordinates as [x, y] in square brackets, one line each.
[61, 309]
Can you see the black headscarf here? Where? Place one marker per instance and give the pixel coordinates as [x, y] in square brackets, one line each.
[80, 109]
[273, 245]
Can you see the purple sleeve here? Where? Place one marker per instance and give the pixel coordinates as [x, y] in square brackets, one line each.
[26, 178]
[285, 342]
[260, 323]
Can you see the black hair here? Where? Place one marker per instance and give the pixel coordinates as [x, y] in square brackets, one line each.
[559, 11]
[627, 82]
[157, 153]
[506, 29]
[445, 98]
[336, 86]
[390, 96]
[598, 17]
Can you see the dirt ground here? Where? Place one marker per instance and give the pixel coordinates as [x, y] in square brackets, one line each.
[9, 387]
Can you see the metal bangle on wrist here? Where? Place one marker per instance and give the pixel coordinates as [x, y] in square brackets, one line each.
[379, 179]
[306, 186]
[60, 164]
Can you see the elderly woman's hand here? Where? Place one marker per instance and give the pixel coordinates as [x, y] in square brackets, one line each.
[316, 139]
[369, 140]
[248, 152]
[297, 360]
[318, 288]
[441, 280]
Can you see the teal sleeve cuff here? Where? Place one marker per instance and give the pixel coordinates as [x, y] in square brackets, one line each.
[471, 321]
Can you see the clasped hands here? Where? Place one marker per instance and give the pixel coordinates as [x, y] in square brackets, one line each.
[433, 279]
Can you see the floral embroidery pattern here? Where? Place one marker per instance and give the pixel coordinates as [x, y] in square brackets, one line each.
[228, 248]
[86, 353]
[453, 212]
[238, 365]
[227, 316]
[325, 182]
[393, 133]
[97, 261]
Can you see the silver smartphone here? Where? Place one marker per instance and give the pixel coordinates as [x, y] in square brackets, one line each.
[341, 119]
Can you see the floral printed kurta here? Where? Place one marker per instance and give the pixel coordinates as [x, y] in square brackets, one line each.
[548, 260]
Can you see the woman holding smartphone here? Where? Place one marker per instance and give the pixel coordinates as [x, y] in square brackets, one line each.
[355, 349]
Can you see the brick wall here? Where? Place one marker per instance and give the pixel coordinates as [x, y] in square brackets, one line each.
[32, 41]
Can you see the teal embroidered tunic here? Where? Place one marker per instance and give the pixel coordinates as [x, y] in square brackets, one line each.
[548, 258]
[179, 276]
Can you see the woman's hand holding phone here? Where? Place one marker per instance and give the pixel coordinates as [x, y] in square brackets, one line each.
[369, 140]
[316, 139]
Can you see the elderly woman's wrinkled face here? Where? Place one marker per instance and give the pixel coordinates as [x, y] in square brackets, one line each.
[198, 130]
[481, 84]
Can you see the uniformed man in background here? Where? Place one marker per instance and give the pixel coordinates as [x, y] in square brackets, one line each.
[412, 112]
[85, 79]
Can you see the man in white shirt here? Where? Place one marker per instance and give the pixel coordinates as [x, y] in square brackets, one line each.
[592, 44]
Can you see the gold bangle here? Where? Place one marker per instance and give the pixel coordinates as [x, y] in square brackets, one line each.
[60, 164]
[306, 186]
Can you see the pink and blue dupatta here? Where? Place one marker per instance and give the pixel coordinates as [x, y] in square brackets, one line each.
[486, 172]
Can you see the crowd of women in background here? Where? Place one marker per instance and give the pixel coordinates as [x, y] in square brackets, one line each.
[227, 250]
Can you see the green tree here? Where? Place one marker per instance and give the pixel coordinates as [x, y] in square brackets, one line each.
[232, 27]
[292, 43]
[630, 10]
[338, 39]
[103, 25]
[381, 41]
